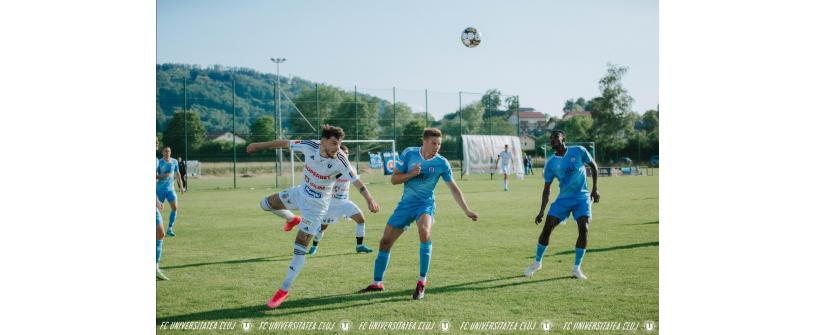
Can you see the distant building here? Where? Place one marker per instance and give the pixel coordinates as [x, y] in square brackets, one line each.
[527, 142]
[225, 137]
[532, 122]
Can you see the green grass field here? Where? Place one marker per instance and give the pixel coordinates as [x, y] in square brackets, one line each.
[229, 257]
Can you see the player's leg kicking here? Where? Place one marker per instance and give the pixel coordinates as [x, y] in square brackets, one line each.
[274, 204]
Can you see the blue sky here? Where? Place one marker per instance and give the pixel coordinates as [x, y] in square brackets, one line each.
[543, 51]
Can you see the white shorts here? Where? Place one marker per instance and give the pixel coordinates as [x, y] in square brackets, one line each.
[340, 208]
[312, 210]
[505, 170]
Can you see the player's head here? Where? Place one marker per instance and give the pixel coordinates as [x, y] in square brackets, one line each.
[506, 147]
[156, 142]
[345, 149]
[557, 139]
[166, 152]
[331, 139]
[431, 140]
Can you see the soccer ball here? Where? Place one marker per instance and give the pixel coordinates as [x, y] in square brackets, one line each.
[470, 37]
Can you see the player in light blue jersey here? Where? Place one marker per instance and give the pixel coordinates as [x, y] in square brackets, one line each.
[419, 169]
[568, 166]
[159, 231]
[167, 172]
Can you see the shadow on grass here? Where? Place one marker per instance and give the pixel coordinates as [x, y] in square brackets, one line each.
[322, 304]
[285, 258]
[619, 247]
[643, 223]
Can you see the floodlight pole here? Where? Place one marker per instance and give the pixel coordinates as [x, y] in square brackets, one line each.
[279, 122]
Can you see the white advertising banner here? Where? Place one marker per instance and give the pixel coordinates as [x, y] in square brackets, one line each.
[481, 153]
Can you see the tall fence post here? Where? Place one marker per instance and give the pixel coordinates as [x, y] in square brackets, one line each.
[186, 158]
[394, 113]
[356, 123]
[234, 150]
[517, 98]
[317, 101]
[460, 134]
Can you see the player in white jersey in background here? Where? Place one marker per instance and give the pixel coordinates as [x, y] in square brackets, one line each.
[323, 165]
[342, 207]
[505, 158]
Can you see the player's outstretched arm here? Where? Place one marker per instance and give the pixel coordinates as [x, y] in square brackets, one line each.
[398, 177]
[544, 202]
[253, 147]
[594, 194]
[460, 200]
[372, 205]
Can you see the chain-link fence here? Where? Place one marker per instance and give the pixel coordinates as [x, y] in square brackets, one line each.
[208, 118]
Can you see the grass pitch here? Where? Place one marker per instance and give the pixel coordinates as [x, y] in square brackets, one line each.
[229, 257]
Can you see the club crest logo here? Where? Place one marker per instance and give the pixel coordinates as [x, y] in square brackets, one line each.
[247, 325]
[345, 325]
[445, 325]
[431, 169]
[329, 165]
[546, 325]
[649, 326]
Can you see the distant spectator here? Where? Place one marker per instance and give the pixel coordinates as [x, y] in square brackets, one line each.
[182, 168]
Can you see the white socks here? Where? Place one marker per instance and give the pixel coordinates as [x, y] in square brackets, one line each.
[296, 265]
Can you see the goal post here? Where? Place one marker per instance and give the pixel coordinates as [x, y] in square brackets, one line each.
[346, 142]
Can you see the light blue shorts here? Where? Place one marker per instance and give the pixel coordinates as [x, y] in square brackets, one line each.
[578, 207]
[405, 214]
[168, 195]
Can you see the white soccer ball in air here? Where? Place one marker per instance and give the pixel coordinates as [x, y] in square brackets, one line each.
[470, 37]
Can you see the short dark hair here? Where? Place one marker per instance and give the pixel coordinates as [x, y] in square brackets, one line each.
[330, 131]
[431, 132]
[559, 131]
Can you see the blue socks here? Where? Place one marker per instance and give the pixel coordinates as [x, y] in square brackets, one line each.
[381, 264]
[172, 219]
[539, 254]
[578, 256]
[158, 250]
[425, 250]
